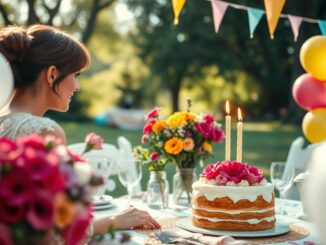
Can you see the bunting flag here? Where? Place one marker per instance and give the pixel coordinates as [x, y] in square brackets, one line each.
[295, 22]
[273, 11]
[322, 26]
[177, 8]
[254, 16]
[219, 9]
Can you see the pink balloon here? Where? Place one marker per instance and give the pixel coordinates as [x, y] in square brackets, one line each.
[308, 92]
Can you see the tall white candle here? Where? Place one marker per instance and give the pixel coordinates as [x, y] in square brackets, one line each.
[227, 132]
[239, 136]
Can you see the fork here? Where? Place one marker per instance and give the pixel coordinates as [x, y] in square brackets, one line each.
[166, 237]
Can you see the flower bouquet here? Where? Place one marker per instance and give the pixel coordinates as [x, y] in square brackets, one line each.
[45, 192]
[184, 138]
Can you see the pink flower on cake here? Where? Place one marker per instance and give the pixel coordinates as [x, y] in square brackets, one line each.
[153, 113]
[221, 180]
[210, 171]
[254, 175]
[233, 171]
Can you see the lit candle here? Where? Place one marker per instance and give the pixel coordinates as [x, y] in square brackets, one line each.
[227, 132]
[239, 136]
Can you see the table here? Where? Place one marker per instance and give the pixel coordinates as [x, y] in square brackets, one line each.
[292, 207]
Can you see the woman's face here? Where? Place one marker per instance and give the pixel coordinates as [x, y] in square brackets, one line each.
[66, 89]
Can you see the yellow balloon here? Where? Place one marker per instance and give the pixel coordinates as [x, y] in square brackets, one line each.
[313, 57]
[314, 125]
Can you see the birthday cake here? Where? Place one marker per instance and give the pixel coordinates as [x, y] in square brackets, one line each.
[233, 196]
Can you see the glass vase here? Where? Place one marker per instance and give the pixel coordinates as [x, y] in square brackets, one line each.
[182, 185]
[157, 190]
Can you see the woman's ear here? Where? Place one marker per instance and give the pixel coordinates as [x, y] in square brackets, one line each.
[51, 74]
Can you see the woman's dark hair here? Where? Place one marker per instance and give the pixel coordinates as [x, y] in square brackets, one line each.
[31, 49]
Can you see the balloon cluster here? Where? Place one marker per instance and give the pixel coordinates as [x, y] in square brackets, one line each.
[309, 90]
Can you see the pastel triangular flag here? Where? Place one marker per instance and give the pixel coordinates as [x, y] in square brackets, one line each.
[219, 9]
[254, 16]
[273, 10]
[177, 8]
[295, 22]
[322, 26]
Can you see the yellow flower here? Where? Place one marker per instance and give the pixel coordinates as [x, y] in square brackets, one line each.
[177, 119]
[173, 146]
[189, 116]
[158, 126]
[64, 212]
[207, 147]
[188, 144]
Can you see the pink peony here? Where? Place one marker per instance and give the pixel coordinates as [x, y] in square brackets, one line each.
[11, 213]
[16, 187]
[41, 210]
[221, 180]
[5, 237]
[153, 113]
[208, 118]
[154, 156]
[216, 134]
[204, 129]
[34, 141]
[210, 171]
[233, 171]
[254, 175]
[94, 141]
[148, 127]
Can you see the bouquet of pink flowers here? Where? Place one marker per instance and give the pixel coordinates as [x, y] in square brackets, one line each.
[45, 192]
[184, 138]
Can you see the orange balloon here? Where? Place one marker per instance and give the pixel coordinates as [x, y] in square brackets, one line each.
[314, 125]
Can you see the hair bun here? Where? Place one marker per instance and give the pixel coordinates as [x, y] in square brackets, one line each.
[14, 43]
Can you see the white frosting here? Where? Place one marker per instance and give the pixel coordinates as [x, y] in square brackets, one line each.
[237, 193]
[250, 221]
[239, 211]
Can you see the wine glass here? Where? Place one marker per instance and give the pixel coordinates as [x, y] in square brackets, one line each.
[282, 177]
[130, 175]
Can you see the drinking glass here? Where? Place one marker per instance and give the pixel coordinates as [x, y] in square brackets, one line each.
[282, 181]
[130, 175]
[101, 167]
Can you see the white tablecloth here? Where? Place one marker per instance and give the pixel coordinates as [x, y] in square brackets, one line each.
[292, 207]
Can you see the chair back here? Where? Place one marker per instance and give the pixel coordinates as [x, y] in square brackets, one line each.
[105, 162]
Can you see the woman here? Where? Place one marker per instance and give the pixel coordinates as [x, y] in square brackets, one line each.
[46, 63]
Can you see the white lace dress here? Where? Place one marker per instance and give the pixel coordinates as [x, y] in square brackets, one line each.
[17, 125]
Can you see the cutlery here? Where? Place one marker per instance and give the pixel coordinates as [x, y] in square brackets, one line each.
[170, 237]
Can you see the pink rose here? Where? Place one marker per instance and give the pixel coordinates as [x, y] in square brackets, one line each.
[34, 141]
[208, 118]
[210, 172]
[153, 113]
[221, 180]
[203, 128]
[144, 139]
[254, 175]
[216, 134]
[233, 171]
[5, 237]
[16, 187]
[94, 141]
[8, 150]
[154, 156]
[148, 127]
[41, 210]
[11, 213]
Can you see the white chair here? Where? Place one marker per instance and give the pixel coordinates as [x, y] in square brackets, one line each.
[105, 162]
[297, 161]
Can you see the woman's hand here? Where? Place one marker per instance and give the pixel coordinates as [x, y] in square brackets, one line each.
[129, 218]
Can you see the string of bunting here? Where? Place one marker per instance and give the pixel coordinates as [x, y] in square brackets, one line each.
[273, 11]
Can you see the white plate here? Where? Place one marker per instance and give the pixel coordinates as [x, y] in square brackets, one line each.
[103, 207]
[102, 200]
[279, 229]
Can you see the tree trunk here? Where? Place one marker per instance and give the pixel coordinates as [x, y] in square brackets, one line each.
[175, 92]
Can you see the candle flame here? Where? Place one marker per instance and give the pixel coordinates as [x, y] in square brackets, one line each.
[227, 107]
[239, 114]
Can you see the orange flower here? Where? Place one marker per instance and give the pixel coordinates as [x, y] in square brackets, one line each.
[64, 212]
[158, 126]
[188, 144]
[189, 116]
[173, 146]
[207, 147]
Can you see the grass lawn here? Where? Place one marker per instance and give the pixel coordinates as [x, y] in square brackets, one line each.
[263, 143]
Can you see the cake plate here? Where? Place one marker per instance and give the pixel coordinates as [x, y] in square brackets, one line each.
[279, 229]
